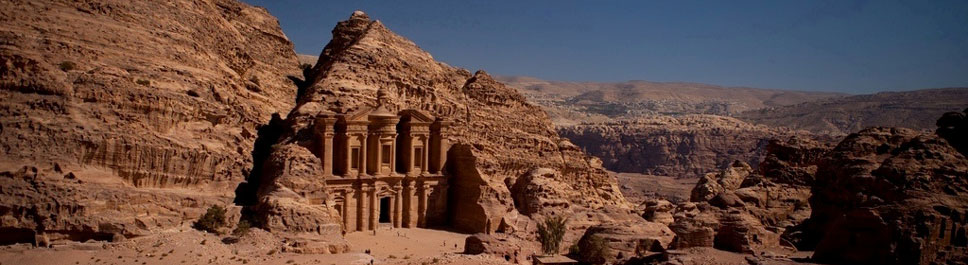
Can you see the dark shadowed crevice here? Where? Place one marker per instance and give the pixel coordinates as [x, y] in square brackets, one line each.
[268, 135]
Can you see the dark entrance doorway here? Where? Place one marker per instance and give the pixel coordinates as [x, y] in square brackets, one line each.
[385, 210]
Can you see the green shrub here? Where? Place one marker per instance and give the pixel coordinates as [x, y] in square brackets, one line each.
[67, 66]
[212, 220]
[242, 228]
[143, 82]
[550, 234]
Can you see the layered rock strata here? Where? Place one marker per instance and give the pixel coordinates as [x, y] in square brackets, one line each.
[891, 196]
[503, 161]
[136, 115]
[684, 146]
[742, 209]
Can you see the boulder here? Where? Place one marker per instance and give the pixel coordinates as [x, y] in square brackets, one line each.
[508, 247]
[694, 228]
[659, 211]
[890, 196]
[741, 232]
[624, 241]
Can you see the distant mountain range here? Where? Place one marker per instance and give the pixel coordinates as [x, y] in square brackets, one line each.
[842, 115]
[576, 102]
[571, 103]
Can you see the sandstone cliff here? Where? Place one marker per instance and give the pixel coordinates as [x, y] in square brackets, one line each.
[498, 138]
[120, 117]
[683, 146]
[749, 210]
[890, 196]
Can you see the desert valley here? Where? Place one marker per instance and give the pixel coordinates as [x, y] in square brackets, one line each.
[191, 132]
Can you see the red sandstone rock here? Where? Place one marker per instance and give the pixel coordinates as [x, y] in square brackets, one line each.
[891, 196]
[144, 103]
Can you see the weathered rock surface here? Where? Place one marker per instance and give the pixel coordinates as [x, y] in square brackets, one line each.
[745, 210]
[891, 196]
[626, 241]
[500, 142]
[510, 248]
[682, 146]
[138, 114]
[659, 211]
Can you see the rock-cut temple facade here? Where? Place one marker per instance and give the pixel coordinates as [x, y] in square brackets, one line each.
[384, 167]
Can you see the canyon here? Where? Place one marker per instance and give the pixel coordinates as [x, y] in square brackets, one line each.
[128, 126]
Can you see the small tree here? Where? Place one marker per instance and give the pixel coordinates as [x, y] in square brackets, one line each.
[550, 234]
[242, 228]
[212, 220]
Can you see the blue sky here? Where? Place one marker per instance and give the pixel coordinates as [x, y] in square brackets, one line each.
[845, 46]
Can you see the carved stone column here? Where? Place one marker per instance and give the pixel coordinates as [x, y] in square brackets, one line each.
[409, 204]
[349, 210]
[422, 206]
[364, 164]
[397, 206]
[325, 130]
[374, 214]
[425, 162]
[438, 145]
[363, 209]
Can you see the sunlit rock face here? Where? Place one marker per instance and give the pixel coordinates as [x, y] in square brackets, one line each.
[489, 147]
[124, 117]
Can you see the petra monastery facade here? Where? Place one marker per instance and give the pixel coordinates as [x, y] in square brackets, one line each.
[384, 167]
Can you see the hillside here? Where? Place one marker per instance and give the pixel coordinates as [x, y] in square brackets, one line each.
[575, 102]
[121, 118]
[910, 109]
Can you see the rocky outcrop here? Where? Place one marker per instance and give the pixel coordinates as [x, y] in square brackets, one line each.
[148, 107]
[891, 196]
[510, 248]
[624, 241]
[683, 146]
[505, 161]
[953, 126]
[659, 211]
[742, 209]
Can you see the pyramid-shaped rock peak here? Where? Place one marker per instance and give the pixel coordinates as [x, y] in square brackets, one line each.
[483, 138]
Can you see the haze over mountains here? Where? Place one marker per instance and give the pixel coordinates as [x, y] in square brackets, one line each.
[687, 129]
[569, 100]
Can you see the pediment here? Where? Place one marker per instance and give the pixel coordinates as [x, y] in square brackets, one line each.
[414, 115]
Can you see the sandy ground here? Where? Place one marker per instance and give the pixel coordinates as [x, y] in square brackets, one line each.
[187, 246]
[639, 187]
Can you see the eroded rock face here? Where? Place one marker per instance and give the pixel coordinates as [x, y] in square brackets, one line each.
[891, 196]
[499, 142]
[742, 209]
[684, 146]
[510, 248]
[149, 107]
[625, 241]
[659, 211]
